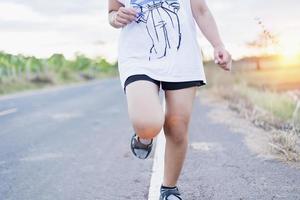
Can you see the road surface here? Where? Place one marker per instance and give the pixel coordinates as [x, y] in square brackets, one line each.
[72, 143]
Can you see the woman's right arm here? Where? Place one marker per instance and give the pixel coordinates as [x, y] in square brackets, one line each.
[118, 15]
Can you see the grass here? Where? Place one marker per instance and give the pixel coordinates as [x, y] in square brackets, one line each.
[19, 72]
[278, 104]
[285, 143]
[251, 85]
[256, 97]
[13, 85]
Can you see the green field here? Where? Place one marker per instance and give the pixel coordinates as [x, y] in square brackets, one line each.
[18, 72]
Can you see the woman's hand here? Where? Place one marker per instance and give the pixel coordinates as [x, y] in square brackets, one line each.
[122, 17]
[222, 58]
[208, 26]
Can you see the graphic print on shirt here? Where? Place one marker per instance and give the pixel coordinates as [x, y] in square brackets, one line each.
[162, 23]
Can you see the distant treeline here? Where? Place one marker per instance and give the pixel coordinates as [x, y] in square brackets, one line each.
[20, 67]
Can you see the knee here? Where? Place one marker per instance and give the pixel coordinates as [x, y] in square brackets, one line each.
[176, 129]
[148, 128]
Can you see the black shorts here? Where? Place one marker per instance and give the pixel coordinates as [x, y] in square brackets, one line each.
[164, 84]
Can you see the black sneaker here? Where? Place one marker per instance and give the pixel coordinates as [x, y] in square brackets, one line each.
[139, 149]
[169, 194]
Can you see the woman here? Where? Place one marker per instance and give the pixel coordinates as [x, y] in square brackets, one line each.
[158, 49]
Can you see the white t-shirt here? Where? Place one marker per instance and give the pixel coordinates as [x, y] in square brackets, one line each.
[162, 43]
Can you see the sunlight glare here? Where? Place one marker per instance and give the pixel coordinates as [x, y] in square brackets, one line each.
[290, 55]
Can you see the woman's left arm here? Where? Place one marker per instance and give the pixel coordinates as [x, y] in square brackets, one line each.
[208, 27]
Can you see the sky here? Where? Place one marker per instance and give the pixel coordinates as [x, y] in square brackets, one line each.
[41, 28]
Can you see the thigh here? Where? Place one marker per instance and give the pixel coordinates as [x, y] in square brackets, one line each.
[179, 104]
[143, 101]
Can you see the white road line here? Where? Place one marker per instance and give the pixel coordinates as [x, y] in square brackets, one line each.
[158, 165]
[9, 111]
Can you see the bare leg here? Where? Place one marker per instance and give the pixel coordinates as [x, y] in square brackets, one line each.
[144, 108]
[179, 105]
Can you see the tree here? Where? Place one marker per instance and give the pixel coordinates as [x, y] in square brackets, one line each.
[264, 42]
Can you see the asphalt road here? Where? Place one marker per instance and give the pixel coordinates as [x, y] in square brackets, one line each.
[73, 144]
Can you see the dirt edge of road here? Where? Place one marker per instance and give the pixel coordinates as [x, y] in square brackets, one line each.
[256, 139]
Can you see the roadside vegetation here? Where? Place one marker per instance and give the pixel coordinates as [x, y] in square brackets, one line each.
[18, 72]
[269, 97]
